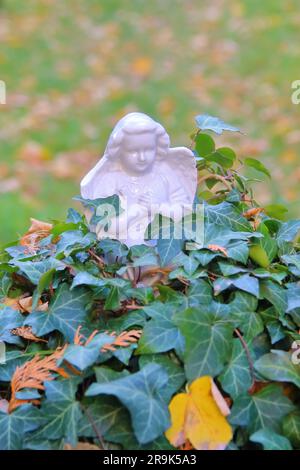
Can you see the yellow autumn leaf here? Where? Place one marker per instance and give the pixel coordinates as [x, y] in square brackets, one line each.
[198, 417]
[175, 434]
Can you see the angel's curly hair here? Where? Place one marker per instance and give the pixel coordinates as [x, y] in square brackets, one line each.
[137, 123]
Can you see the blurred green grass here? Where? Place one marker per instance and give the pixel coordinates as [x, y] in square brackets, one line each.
[72, 69]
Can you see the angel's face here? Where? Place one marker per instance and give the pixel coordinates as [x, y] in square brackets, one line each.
[138, 152]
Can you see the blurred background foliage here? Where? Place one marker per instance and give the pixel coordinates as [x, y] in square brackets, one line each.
[72, 68]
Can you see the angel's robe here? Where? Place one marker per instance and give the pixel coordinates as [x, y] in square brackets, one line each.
[130, 187]
[130, 226]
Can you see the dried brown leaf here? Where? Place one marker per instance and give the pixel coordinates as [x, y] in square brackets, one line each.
[36, 232]
[26, 333]
[218, 248]
[122, 340]
[82, 446]
[253, 212]
[33, 374]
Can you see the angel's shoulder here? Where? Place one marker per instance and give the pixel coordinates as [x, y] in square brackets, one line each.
[107, 184]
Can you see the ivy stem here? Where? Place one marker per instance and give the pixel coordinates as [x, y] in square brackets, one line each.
[94, 426]
[97, 258]
[194, 139]
[245, 346]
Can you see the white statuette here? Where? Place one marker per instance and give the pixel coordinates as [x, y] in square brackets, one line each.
[149, 177]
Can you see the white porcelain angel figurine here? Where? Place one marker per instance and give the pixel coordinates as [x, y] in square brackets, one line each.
[149, 177]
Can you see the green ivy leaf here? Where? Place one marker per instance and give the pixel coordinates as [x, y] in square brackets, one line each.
[243, 302]
[11, 431]
[199, 293]
[113, 300]
[74, 240]
[14, 426]
[5, 285]
[212, 123]
[61, 411]
[236, 377]
[114, 247]
[289, 231]
[160, 334]
[278, 211]
[257, 165]
[176, 376]
[66, 313]
[291, 428]
[143, 255]
[271, 440]
[13, 359]
[242, 310]
[244, 282]
[265, 249]
[171, 296]
[34, 270]
[264, 409]
[9, 319]
[227, 216]
[238, 251]
[84, 356]
[207, 339]
[105, 412]
[98, 207]
[141, 394]
[230, 269]
[224, 156]
[73, 216]
[293, 297]
[278, 367]
[168, 248]
[204, 144]
[275, 294]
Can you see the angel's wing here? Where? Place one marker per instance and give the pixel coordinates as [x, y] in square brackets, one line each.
[182, 174]
[95, 183]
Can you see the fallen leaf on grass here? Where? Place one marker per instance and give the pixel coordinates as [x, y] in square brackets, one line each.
[34, 154]
[142, 66]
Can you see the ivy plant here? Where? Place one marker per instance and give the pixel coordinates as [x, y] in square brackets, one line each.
[97, 338]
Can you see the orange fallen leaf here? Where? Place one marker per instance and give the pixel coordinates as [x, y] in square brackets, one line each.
[24, 304]
[253, 212]
[198, 417]
[36, 232]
